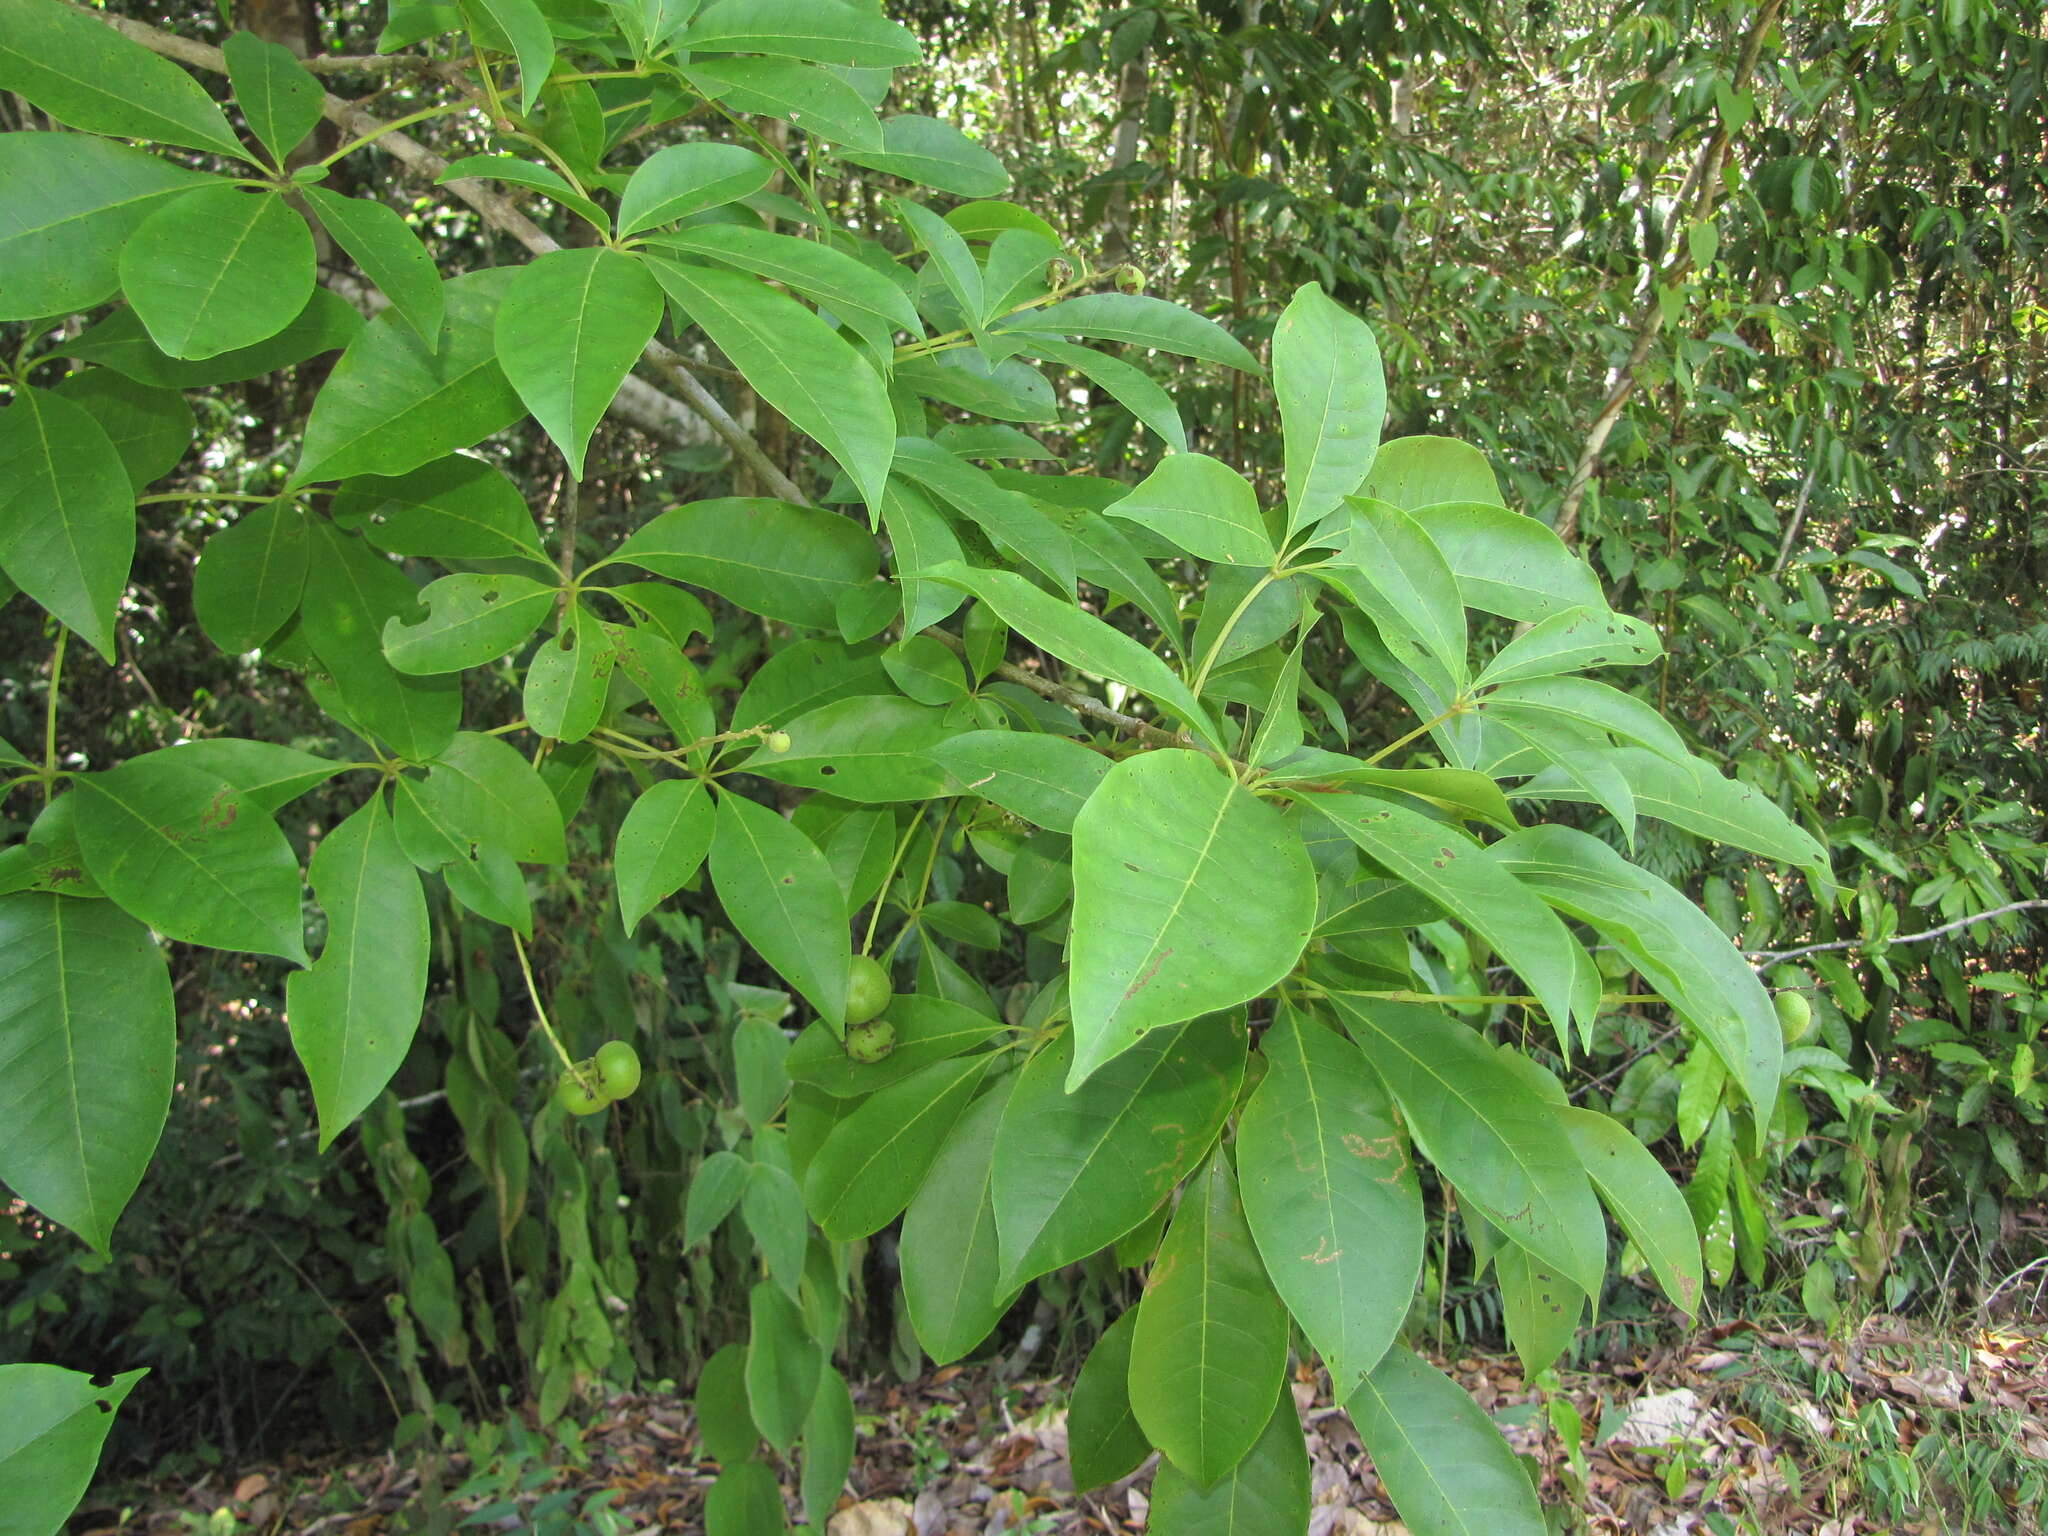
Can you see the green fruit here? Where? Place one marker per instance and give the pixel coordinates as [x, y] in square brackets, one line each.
[1795, 1016]
[576, 1097]
[869, 1043]
[778, 741]
[868, 989]
[618, 1066]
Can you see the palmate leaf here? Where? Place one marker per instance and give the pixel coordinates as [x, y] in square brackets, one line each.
[218, 269]
[354, 1013]
[1209, 1351]
[1190, 895]
[88, 1049]
[277, 94]
[662, 842]
[379, 240]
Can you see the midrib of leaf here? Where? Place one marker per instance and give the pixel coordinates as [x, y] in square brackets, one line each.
[225, 270]
[81, 215]
[1181, 896]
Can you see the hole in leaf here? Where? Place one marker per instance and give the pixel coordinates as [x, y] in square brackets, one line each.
[103, 1380]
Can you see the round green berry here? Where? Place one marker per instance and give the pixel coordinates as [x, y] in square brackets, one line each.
[868, 989]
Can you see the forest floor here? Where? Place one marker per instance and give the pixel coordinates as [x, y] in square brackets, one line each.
[1740, 1430]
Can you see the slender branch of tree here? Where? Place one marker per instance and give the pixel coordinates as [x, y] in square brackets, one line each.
[1773, 956]
[1798, 514]
[1695, 201]
[501, 214]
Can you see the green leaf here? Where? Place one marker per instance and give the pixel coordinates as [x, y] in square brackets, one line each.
[801, 29]
[852, 291]
[919, 537]
[1691, 794]
[828, 1450]
[1584, 703]
[353, 1015]
[71, 204]
[1570, 640]
[484, 790]
[673, 183]
[457, 508]
[745, 1500]
[725, 1423]
[1332, 390]
[869, 750]
[759, 1050]
[280, 98]
[784, 1366]
[568, 677]
[1331, 1195]
[471, 620]
[518, 27]
[1190, 894]
[218, 269]
[1643, 1199]
[392, 403]
[58, 1420]
[571, 326]
[1446, 1467]
[806, 676]
[1003, 514]
[89, 1038]
[933, 154]
[1453, 871]
[179, 848]
[1203, 506]
[1104, 1442]
[1209, 1353]
[653, 663]
[351, 591]
[481, 876]
[1131, 387]
[874, 1160]
[1416, 472]
[1267, 1491]
[952, 1267]
[813, 99]
[928, 1029]
[772, 558]
[67, 513]
[925, 670]
[714, 1193]
[327, 324]
[1403, 583]
[380, 241]
[1486, 1132]
[1044, 779]
[773, 1208]
[270, 776]
[85, 74]
[250, 576]
[544, 179]
[1080, 638]
[1075, 1171]
[149, 428]
[1144, 321]
[1507, 563]
[794, 361]
[662, 841]
[785, 901]
[1673, 943]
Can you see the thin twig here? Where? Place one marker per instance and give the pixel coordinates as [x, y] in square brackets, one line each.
[1773, 956]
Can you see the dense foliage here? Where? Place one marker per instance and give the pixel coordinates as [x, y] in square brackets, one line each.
[805, 696]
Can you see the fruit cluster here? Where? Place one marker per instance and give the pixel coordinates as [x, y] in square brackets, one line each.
[613, 1073]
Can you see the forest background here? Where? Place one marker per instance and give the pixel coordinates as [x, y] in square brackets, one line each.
[1746, 302]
